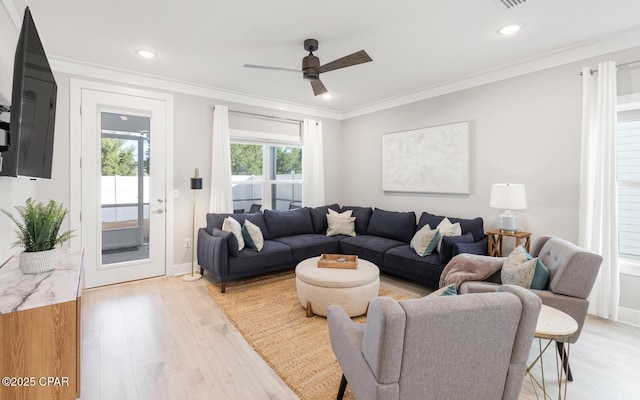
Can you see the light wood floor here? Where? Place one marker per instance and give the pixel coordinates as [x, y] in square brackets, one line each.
[167, 339]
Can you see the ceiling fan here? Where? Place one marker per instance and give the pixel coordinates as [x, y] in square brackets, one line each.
[311, 68]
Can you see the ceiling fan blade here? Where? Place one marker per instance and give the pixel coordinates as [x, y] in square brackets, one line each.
[358, 57]
[271, 68]
[318, 87]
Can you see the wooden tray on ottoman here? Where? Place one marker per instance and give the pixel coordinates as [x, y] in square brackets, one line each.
[344, 261]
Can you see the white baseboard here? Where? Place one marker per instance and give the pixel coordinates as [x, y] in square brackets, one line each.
[629, 316]
[181, 269]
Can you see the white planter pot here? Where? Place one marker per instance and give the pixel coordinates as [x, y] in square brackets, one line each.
[39, 261]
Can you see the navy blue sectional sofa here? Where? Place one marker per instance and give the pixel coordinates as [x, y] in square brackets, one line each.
[382, 237]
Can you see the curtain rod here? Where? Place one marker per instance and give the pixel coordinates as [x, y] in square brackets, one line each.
[591, 71]
[271, 117]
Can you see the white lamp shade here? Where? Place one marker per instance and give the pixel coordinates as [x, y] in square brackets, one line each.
[508, 196]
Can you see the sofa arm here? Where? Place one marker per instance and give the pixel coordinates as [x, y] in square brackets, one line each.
[213, 253]
[480, 248]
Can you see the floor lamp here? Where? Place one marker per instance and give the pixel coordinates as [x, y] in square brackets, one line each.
[196, 184]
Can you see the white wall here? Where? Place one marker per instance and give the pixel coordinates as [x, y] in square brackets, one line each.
[523, 130]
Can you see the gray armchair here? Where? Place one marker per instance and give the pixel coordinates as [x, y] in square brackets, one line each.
[454, 347]
[573, 272]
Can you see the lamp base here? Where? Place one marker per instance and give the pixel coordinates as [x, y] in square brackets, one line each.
[191, 278]
[507, 222]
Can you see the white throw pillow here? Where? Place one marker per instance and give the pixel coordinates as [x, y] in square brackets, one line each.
[231, 225]
[252, 236]
[518, 269]
[341, 223]
[446, 228]
[424, 242]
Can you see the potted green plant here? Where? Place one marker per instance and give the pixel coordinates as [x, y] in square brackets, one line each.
[38, 232]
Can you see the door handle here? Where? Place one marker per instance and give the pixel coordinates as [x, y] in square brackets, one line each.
[158, 211]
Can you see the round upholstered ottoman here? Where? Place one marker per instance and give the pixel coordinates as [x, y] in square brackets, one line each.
[352, 289]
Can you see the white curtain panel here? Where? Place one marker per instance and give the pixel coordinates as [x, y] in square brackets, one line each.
[312, 164]
[598, 229]
[221, 198]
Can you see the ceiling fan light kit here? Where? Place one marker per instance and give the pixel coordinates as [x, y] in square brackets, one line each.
[311, 68]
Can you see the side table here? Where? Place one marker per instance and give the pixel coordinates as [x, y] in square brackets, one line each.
[496, 237]
[553, 326]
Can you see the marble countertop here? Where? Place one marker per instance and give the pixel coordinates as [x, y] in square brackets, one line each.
[20, 291]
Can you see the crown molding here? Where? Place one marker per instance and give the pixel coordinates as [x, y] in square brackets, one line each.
[87, 70]
[620, 41]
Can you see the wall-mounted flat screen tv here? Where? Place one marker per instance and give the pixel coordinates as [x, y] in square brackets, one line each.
[33, 108]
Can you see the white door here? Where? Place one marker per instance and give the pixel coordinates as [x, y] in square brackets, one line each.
[123, 226]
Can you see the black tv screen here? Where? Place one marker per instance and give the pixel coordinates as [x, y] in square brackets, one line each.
[33, 108]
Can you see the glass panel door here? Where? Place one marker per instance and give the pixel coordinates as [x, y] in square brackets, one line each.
[124, 193]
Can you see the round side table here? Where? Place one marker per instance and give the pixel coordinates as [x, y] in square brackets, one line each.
[553, 326]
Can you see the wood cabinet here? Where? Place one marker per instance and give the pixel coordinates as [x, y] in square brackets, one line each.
[41, 330]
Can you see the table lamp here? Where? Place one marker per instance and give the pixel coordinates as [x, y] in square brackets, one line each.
[196, 184]
[508, 196]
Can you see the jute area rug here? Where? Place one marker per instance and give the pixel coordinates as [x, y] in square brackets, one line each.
[268, 314]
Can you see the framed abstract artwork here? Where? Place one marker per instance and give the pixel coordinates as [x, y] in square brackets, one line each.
[427, 160]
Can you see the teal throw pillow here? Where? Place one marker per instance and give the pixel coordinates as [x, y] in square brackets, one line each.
[541, 274]
[449, 290]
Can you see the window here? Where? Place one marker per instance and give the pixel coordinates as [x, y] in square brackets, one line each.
[266, 175]
[628, 137]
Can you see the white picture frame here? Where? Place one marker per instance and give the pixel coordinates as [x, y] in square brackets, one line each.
[427, 160]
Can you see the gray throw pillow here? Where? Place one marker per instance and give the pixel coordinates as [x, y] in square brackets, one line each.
[518, 269]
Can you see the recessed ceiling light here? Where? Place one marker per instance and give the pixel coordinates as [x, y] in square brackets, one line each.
[510, 29]
[146, 53]
[327, 96]
[124, 117]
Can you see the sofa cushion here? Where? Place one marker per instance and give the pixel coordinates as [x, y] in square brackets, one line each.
[362, 214]
[215, 220]
[310, 245]
[319, 217]
[273, 256]
[473, 226]
[341, 223]
[446, 251]
[288, 223]
[392, 225]
[370, 248]
[403, 261]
